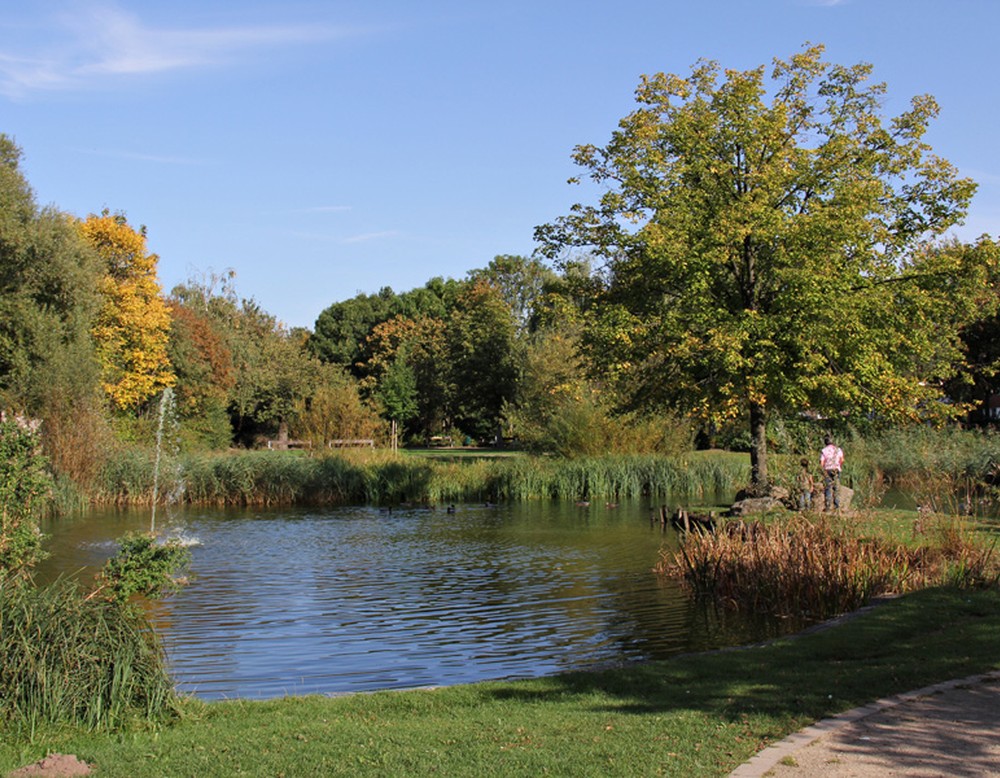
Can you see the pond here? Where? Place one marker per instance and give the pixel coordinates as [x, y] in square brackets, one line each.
[299, 601]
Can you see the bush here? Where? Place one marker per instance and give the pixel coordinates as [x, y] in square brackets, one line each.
[585, 427]
[142, 566]
[25, 485]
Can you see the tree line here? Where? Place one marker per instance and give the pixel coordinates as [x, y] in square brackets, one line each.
[89, 342]
[767, 246]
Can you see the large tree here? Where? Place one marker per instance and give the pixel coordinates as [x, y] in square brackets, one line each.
[483, 360]
[978, 381]
[206, 375]
[274, 372]
[343, 328]
[521, 282]
[132, 328]
[48, 293]
[49, 299]
[405, 371]
[759, 234]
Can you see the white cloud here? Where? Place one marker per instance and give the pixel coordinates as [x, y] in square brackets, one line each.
[75, 50]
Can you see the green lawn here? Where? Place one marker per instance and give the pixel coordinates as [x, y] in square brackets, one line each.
[696, 715]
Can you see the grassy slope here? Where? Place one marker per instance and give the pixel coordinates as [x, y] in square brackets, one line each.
[698, 715]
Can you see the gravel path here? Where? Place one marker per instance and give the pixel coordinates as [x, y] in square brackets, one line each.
[949, 729]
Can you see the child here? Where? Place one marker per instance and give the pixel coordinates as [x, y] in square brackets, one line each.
[805, 485]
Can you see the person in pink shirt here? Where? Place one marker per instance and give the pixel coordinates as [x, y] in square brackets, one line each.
[831, 460]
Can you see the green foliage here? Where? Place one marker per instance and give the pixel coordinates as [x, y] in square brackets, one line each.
[765, 245]
[977, 381]
[406, 372]
[25, 486]
[558, 409]
[943, 464]
[211, 429]
[72, 660]
[586, 427]
[522, 284]
[950, 470]
[233, 352]
[444, 356]
[142, 566]
[273, 371]
[203, 364]
[398, 392]
[125, 477]
[613, 477]
[580, 428]
[252, 478]
[343, 328]
[920, 452]
[48, 302]
[483, 361]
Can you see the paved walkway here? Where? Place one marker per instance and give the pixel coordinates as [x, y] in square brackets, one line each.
[949, 729]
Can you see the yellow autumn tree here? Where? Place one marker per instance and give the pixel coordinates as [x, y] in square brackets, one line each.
[132, 328]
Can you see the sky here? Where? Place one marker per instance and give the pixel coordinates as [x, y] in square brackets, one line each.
[325, 148]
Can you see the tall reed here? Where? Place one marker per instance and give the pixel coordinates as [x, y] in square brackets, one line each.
[614, 477]
[67, 659]
[816, 568]
[917, 456]
[284, 478]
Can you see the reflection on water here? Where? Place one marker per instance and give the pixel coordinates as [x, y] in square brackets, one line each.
[352, 599]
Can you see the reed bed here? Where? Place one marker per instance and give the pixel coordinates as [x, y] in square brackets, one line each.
[70, 660]
[617, 477]
[942, 468]
[936, 464]
[273, 478]
[125, 477]
[817, 568]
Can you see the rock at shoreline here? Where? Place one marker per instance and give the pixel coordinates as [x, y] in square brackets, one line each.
[776, 498]
[751, 505]
[780, 499]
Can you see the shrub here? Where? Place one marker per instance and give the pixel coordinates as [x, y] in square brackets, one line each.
[25, 485]
[141, 566]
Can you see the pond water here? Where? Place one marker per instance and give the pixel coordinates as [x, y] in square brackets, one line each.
[355, 599]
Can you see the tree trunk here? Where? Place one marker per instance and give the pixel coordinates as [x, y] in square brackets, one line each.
[758, 448]
[283, 435]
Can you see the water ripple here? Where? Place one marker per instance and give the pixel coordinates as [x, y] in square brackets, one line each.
[352, 599]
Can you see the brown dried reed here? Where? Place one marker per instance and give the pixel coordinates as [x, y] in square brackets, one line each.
[817, 567]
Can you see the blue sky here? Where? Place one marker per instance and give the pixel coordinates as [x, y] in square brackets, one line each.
[322, 148]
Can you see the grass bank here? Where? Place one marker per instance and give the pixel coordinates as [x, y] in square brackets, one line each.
[695, 715]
